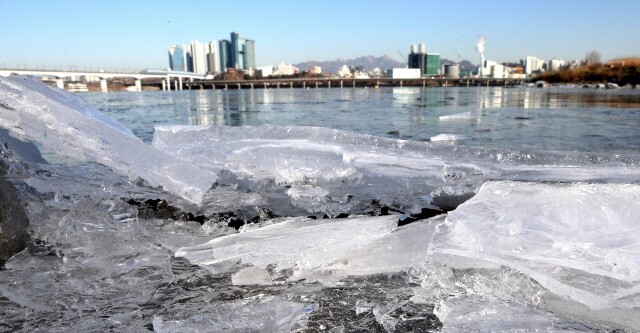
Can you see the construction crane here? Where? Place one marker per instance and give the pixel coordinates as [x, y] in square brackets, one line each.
[459, 59]
[403, 57]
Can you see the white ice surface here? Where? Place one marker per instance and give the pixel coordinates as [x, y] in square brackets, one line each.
[62, 122]
[580, 241]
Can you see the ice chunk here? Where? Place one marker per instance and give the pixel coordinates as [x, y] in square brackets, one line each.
[398, 251]
[457, 116]
[471, 314]
[27, 151]
[332, 171]
[251, 276]
[299, 244]
[255, 314]
[325, 170]
[60, 121]
[580, 241]
[447, 138]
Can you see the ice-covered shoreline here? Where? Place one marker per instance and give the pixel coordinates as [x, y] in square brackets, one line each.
[545, 241]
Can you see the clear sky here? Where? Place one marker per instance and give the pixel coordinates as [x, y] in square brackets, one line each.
[135, 34]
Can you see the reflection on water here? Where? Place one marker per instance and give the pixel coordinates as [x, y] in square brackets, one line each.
[557, 118]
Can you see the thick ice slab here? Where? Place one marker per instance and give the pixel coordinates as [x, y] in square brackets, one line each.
[332, 171]
[60, 121]
[325, 170]
[256, 314]
[579, 241]
[299, 244]
[472, 314]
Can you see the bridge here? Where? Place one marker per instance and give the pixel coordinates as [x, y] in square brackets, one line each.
[168, 77]
[337, 82]
[195, 81]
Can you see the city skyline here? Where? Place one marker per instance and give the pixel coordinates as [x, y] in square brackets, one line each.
[136, 35]
[213, 57]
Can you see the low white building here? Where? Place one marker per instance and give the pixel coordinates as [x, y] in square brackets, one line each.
[264, 71]
[285, 69]
[492, 69]
[404, 73]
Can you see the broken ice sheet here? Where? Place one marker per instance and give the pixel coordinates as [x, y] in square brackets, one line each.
[254, 314]
[580, 241]
[300, 244]
[472, 314]
[62, 122]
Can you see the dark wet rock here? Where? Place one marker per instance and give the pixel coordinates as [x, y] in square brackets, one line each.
[160, 209]
[13, 220]
[451, 202]
[425, 213]
[393, 133]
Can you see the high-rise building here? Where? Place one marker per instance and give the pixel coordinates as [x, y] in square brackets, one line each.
[225, 55]
[213, 63]
[177, 58]
[242, 52]
[189, 57]
[198, 53]
[432, 64]
[556, 64]
[533, 64]
[238, 53]
[236, 50]
[249, 52]
[428, 63]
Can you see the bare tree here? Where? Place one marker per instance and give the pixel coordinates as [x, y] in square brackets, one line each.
[592, 58]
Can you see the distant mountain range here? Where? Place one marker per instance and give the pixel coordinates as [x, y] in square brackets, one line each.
[368, 63]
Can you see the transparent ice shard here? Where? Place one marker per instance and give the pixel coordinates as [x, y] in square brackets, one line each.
[251, 276]
[299, 244]
[447, 138]
[255, 314]
[350, 168]
[473, 314]
[62, 122]
[397, 251]
[579, 241]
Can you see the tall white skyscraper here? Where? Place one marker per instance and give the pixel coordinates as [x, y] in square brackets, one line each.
[213, 61]
[199, 55]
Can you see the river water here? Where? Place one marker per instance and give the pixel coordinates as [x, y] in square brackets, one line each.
[521, 118]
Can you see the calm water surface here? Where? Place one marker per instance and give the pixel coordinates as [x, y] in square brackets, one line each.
[521, 118]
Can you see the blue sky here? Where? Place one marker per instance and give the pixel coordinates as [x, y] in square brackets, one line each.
[136, 34]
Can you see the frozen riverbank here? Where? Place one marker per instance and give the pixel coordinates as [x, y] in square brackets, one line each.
[306, 229]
